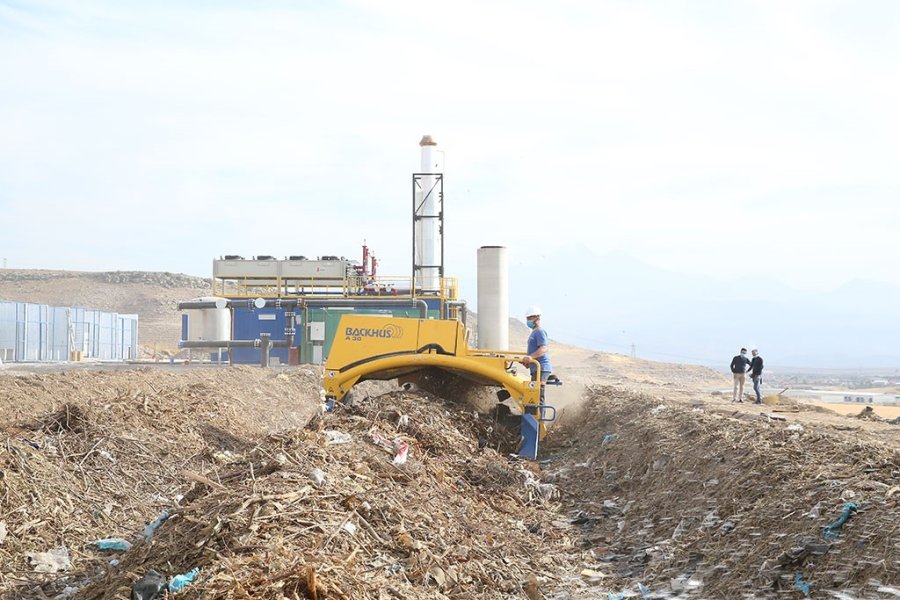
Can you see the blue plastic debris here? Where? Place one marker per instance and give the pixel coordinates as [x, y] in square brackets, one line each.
[800, 585]
[179, 582]
[644, 590]
[113, 544]
[832, 531]
[612, 596]
[609, 437]
[151, 527]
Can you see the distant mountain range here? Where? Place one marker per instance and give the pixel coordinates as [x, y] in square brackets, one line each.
[611, 302]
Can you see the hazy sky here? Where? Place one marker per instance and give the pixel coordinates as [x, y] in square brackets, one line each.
[730, 139]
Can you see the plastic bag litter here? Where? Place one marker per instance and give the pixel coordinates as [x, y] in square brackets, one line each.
[52, 561]
[67, 592]
[2, 532]
[401, 452]
[179, 582]
[153, 525]
[318, 477]
[542, 492]
[113, 544]
[801, 586]
[833, 530]
[333, 436]
[149, 586]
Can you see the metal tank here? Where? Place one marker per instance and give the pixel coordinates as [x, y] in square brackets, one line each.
[205, 324]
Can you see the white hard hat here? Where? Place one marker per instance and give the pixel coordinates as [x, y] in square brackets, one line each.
[533, 311]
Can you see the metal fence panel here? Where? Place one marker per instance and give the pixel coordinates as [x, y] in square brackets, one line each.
[38, 332]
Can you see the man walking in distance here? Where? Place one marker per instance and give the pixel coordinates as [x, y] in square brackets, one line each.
[538, 347]
[739, 366]
[756, 367]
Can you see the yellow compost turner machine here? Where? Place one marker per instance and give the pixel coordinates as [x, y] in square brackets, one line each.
[378, 347]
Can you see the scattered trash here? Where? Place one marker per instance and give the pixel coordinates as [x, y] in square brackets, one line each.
[333, 436]
[815, 512]
[2, 532]
[655, 411]
[403, 421]
[583, 518]
[795, 427]
[644, 590]
[226, 457]
[349, 528]
[848, 495]
[114, 562]
[148, 587]
[113, 544]
[612, 596]
[401, 452]
[179, 582]
[833, 530]
[889, 590]
[710, 520]
[107, 455]
[801, 586]
[151, 527]
[67, 592]
[318, 477]
[543, 492]
[52, 561]
[609, 437]
[592, 575]
[683, 583]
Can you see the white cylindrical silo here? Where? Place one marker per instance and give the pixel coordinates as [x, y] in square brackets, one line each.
[425, 228]
[493, 298]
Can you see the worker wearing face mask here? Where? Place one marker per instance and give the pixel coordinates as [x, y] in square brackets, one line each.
[739, 366]
[538, 348]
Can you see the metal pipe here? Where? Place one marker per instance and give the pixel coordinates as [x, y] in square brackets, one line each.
[265, 346]
[385, 303]
[219, 344]
[310, 302]
[460, 304]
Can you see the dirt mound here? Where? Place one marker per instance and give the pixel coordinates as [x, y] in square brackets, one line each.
[161, 279]
[329, 511]
[685, 501]
[88, 455]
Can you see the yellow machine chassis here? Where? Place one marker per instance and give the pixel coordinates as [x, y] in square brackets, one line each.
[383, 347]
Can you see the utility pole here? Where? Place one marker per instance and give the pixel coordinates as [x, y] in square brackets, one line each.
[633, 351]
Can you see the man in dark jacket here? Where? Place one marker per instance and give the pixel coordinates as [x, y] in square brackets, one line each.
[756, 367]
[739, 366]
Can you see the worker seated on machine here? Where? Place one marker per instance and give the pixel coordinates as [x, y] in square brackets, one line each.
[538, 349]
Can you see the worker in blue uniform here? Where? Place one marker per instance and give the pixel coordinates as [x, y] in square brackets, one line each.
[538, 348]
